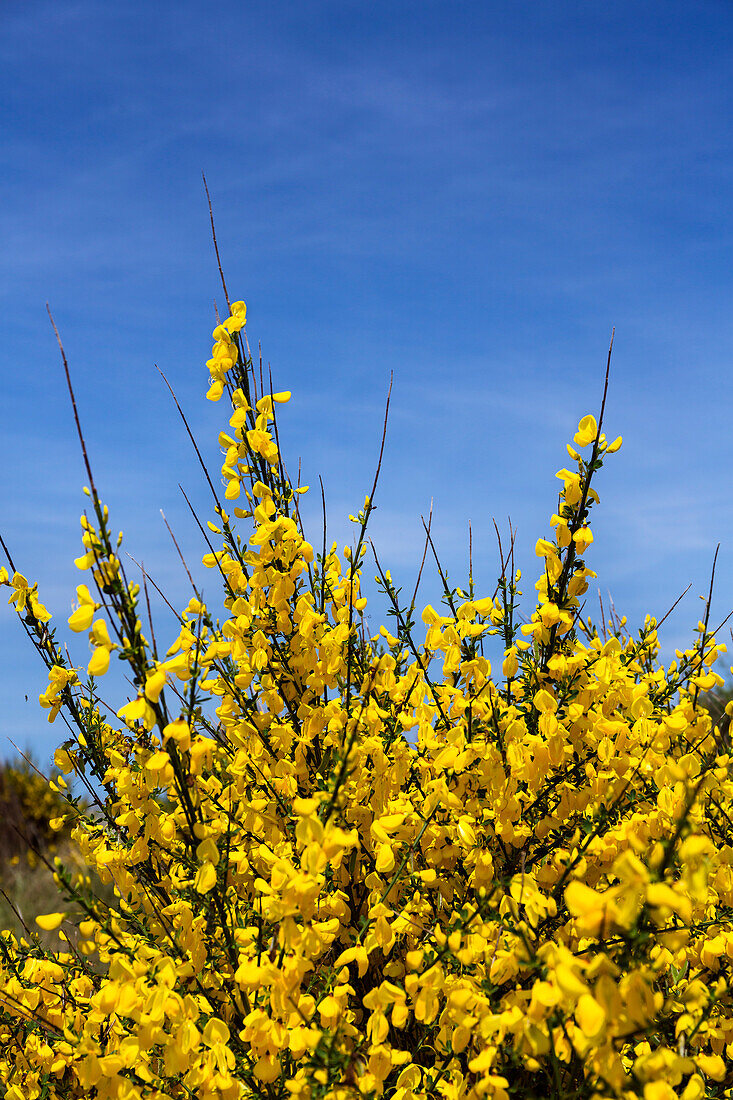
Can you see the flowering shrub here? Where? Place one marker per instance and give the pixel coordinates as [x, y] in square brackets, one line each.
[350, 865]
[31, 808]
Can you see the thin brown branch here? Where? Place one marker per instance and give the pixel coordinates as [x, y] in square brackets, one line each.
[216, 246]
[73, 405]
[180, 555]
[603, 616]
[323, 552]
[605, 384]
[384, 437]
[708, 602]
[424, 555]
[8, 555]
[191, 437]
[443, 577]
[150, 614]
[679, 598]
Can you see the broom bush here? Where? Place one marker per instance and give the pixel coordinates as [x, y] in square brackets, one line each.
[29, 804]
[349, 863]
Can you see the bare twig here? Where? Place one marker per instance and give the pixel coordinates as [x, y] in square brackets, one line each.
[191, 437]
[73, 404]
[384, 437]
[150, 614]
[707, 620]
[216, 246]
[323, 553]
[161, 594]
[424, 555]
[679, 598]
[180, 555]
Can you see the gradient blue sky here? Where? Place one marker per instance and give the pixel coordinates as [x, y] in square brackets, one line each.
[467, 194]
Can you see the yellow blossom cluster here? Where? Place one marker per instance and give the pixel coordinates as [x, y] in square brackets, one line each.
[354, 864]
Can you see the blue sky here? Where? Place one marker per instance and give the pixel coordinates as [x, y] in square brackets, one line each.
[469, 195]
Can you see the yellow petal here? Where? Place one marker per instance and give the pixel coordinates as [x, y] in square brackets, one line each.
[249, 975]
[587, 431]
[385, 859]
[207, 851]
[659, 1090]
[157, 761]
[712, 1065]
[99, 662]
[205, 878]
[180, 733]
[694, 1089]
[590, 1016]
[267, 1068]
[216, 1031]
[49, 921]
[81, 619]
[154, 685]
[100, 633]
[41, 613]
[581, 899]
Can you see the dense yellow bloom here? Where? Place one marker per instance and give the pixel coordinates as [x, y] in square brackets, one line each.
[350, 864]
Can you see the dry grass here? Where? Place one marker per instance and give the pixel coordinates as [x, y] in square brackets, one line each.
[29, 890]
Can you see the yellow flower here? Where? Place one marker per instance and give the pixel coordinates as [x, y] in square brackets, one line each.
[81, 619]
[582, 539]
[587, 431]
[205, 880]
[591, 1017]
[50, 921]
[99, 661]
